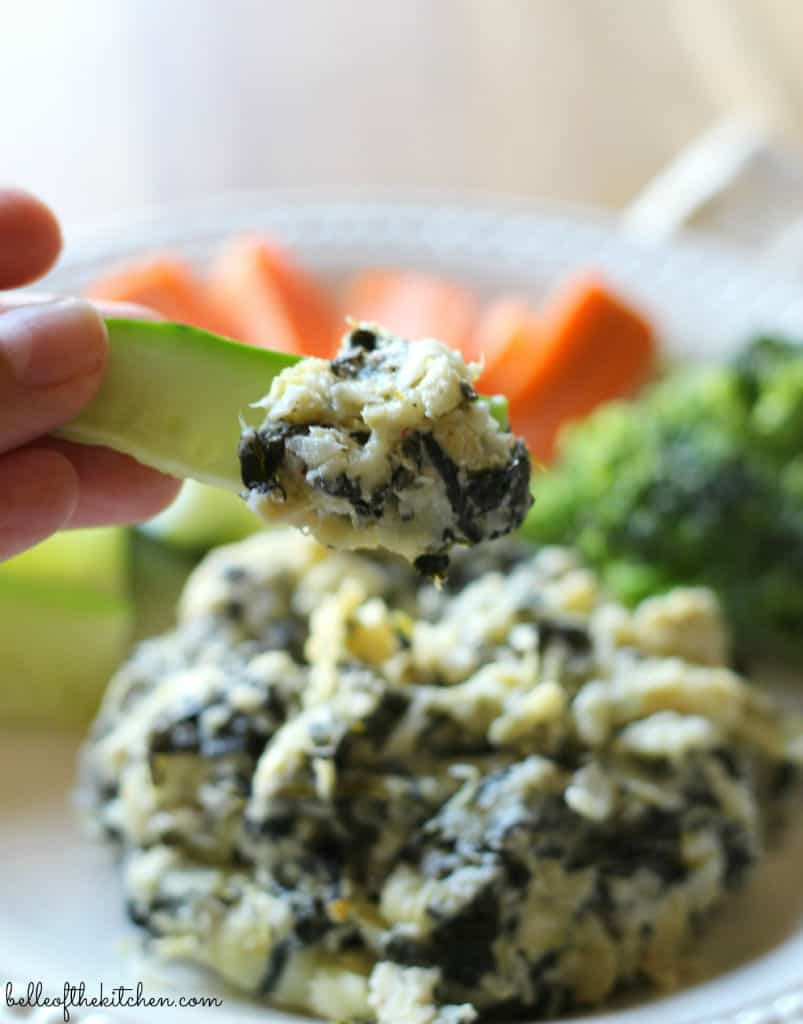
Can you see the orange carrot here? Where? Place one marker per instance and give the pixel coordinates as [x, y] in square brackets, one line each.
[593, 348]
[270, 301]
[506, 337]
[164, 284]
[414, 305]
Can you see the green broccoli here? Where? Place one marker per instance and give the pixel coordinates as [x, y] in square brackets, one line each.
[699, 481]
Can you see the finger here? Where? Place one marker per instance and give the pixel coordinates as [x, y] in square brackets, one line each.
[30, 238]
[113, 488]
[38, 495]
[117, 310]
[51, 363]
[124, 310]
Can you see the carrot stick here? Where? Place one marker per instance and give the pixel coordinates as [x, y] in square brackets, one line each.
[593, 348]
[270, 301]
[505, 339]
[414, 305]
[164, 284]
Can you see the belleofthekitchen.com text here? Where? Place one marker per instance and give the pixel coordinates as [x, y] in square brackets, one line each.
[78, 996]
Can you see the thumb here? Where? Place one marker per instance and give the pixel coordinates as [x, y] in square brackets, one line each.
[52, 356]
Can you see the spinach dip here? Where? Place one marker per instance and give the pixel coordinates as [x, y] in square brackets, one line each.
[351, 792]
[387, 445]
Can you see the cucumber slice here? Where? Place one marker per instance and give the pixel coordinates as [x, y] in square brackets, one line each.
[67, 623]
[202, 517]
[174, 397]
[96, 559]
[59, 646]
[177, 398]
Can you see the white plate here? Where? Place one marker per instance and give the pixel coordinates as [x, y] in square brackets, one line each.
[61, 917]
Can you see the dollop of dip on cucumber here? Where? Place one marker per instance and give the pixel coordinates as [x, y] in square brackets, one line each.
[387, 445]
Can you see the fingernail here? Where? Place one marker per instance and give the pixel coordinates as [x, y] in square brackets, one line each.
[52, 342]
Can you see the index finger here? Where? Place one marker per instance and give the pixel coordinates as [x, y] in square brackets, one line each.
[30, 238]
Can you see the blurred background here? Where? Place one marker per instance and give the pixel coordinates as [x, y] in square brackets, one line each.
[665, 113]
[114, 104]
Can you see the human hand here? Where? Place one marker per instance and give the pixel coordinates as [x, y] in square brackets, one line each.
[52, 355]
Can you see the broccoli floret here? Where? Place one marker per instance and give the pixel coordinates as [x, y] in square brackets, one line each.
[699, 481]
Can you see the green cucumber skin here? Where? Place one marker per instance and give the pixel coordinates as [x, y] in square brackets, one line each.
[174, 397]
[58, 681]
[96, 558]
